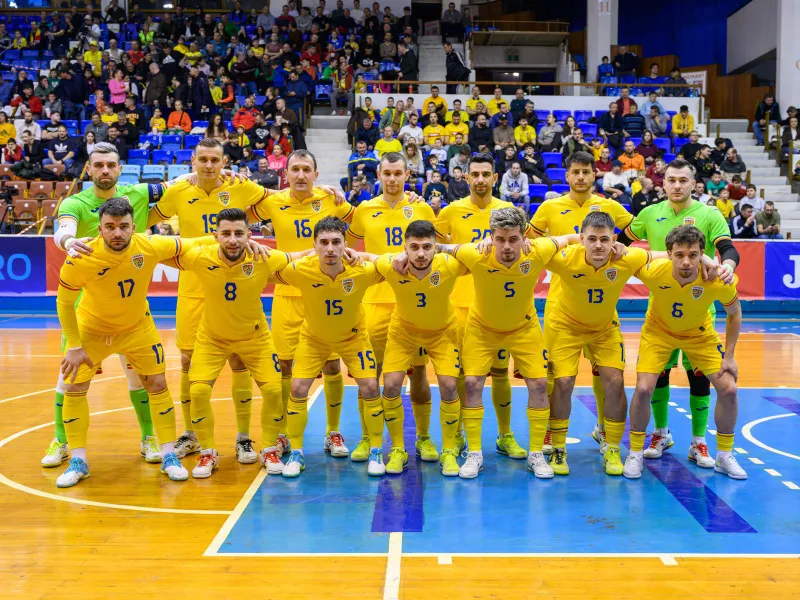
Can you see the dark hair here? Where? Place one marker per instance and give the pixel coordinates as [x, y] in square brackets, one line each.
[116, 207]
[231, 214]
[303, 154]
[719, 141]
[435, 87]
[744, 207]
[684, 108]
[581, 158]
[481, 157]
[598, 220]
[686, 235]
[653, 64]
[393, 157]
[769, 203]
[751, 186]
[420, 229]
[329, 224]
[680, 163]
[209, 143]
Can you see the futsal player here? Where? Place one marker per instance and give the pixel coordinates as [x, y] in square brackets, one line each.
[335, 324]
[503, 316]
[654, 223]
[381, 224]
[678, 317]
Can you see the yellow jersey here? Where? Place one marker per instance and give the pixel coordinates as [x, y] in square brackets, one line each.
[114, 299]
[383, 228]
[504, 295]
[423, 303]
[472, 103]
[451, 130]
[680, 310]
[587, 298]
[493, 107]
[197, 215]
[524, 135]
[333, 307]
[466, 223]
[431, 133]
[438, 101]
[293, 221]
[232, 309]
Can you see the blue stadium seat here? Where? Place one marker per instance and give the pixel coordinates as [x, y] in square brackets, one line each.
[85, 124]
[171, 142]
[163, 157]
[626, 207]
[154, 172]
[128, 179]
[669, 158]
[260, 153]
[599, 113]
[561, 188]
[190, 141]
[240, 100]
[174, 171]
[589, 130]
[628, 79]
[662, 144]
[534, 207]
[557, 174]
[561, 115]
[129, 169]
[542, 114]
[260, 100]
[87, 185]
[183, 157]
[582, 115]
[228, 125]
[30, 54]
[11, 55]
[138, 157]
[552, 159]
[322, 92]
[153, 140]
[636, 140]
[202, 124]
[537, 190]
[680, 143]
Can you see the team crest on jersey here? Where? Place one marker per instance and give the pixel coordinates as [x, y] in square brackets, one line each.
[224, 198]
[316, 206]
[611, 274]
[525, 267]
[408, 211]
[348, 285]
[247, 269]
[138, 260]
[434, 278]
[595, 208]
[688, 220]
[697, 291]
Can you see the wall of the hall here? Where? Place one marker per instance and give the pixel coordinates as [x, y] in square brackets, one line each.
[752, 33]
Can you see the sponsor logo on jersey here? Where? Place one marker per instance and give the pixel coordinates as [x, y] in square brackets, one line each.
[434, 279]
[408, 211]
[466, 216]
[664, 287]
[578, 276]
[404, 281]
[377, 214]
[492, 270]
[193, 200]
[595, 208]
[316, 206]
[284, 207]
[103, 272]
[247, 269]
[697, 291]
[688, 220]
[224, 198]
[611, 274]
[525, 267]
[564, 212]
[137, 260]
[348, 285]
[658, 220]
[316, 285]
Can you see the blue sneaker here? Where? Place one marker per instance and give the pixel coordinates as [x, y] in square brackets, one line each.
[376, 468]
[172, 468]
[295, 465]
[77, 470]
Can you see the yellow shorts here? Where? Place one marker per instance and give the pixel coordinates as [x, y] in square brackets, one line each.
[378, 319]
[703, 349]
[405, 345]
[604, 348]
[142, 349]
[356, 352]
[189, 312]
[501, 359]
[257, 354]
[480, 348]
[288, 315]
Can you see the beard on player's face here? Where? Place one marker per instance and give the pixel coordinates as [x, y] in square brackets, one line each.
[233, 253]
[104, 181]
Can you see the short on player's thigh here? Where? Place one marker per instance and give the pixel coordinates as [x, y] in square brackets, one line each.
[288, 314]
[401, 349]
[526, 346]
[563, 349]
[188, 313]
[445, 354]
[606, 349]
[479, 349]
[357, 355]
[96, 347]
[377, 319]
[208, 359]
[259, 357]
[310, 357]
[655, 349]
[704, 352]
[143, 348]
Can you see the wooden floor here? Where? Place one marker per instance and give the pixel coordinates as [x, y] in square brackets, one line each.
[128, 532]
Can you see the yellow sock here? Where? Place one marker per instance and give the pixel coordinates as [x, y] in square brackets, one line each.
[538, 419]
[364, 430]
[422, 415]
[637, 441]
[76, 418]
[501, 398]
[373, 415]
[272, 415]
[242, 393]
[472, 416]
[551, 383]
[296, 421]
[449, 415]
[724, 442]
[558, 431]
[203, 414]
[599, 398]
[395, 419]
[186, 401]
[162, 412]
[333, 386]
[286, 389]
[614, 431]
[461, 386]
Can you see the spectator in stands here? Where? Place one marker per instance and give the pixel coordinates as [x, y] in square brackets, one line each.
[503, 134]
[473, 101]
[216, 129]
[632, 162]
[752, 198]
[645, 197]
[450, 23]
[97, 127]
[790, 112]
[721, 146]
[767, 108]
[655, 172]
[434, 190]
[724, 204]
[656, 123]
[480, 135]
[156, 92]
[27, 124]
[433, 131]
[735, 188]
[715, 184]
[602, 165]
[441, 154]
[504, 112]
[127, 130]
[743, 225]
[119, 89]
[625, 63]
[514, 186]
[493, 106]
[732, 164]
[456, 144]
[790, 136]
[12, 153]
[61, 150]
[367, 133]
[412, 133]
[768, 222]
[675, 78]
[549, 136]
[605, 68]
[700, 193]
[648, 149]
[7, 130]
[362, 162]
[633, 124]
[134, 115]
[456, 126]
[524, 133]
[682, 123]
[615, 184]
[457, 187]
[575, 144]
[690, 150]
[440, 104]
[50, 131]
[529, 113]
[459, 160]
[652, 100]
[85, 147]
[610, 125]
[179, 121]
[703, 164]
[456, 68]
[533, 166]
[32, 148]
[388, 49]
[409, 65]
[503, 161]
[388, 143]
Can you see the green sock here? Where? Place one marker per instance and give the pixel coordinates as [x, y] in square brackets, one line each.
[699, 406]
[60, 433]
[141, 404]
[660, 405]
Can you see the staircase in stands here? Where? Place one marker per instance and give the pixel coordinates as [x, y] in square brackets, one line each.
[326, 139]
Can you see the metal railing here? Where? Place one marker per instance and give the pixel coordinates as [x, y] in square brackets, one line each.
[503, 25]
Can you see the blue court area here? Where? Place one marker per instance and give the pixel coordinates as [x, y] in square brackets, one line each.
[674, 509]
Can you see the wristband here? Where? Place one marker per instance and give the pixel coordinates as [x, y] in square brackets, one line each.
[727, 265]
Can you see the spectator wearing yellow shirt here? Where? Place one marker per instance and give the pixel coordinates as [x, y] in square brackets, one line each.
[494, 104]
[181, 46]
[7, 129]
[193, 54]
[448, 118]
[474, 99]
[215, 90]
[19, 41]
[432, 131]
[724, 204]
[438, 101]
[597, 146]
[94, 57]
[157, 121]
[682, 123]
[388, 143]
[524, 133]
[109, 116]
[457, 126]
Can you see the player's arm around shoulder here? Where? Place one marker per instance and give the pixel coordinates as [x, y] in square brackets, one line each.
[167, 205]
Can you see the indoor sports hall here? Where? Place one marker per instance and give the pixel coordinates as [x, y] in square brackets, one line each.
[161, 90]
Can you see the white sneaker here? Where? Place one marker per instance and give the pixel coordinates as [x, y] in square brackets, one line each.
[726, 463]
[658, 443]
[268, 457]
[539, 466]
[245, 453]
[334, 443]
[547, 448]
[150, 450]
[376, 468]
[56, 454]
[77, 470]
[698, 453]
[295, 465]
[172, 468]
[599, 436]
[472, 466]
[633, 465]
[206, 465]
[283, 445]
[186, 445]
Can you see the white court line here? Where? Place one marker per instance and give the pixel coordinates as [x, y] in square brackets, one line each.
[669, 561]
[445, 559]
[391, 585]
[773, 472]
[673, 403]
[236, 513]
[681, 410]
[436, 555]
[791, 486]
[755, 461]
[747, 433]
[740, 450]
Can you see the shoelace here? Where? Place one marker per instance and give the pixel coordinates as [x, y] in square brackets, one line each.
[181, 441]
[271, 457]
[205, 459]
[655, 440]
[559, 457]
[703, 449]
[170, 460]
[55, 446]
[547, 439]
[76, 464]
[247, 445]
[337, 439]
